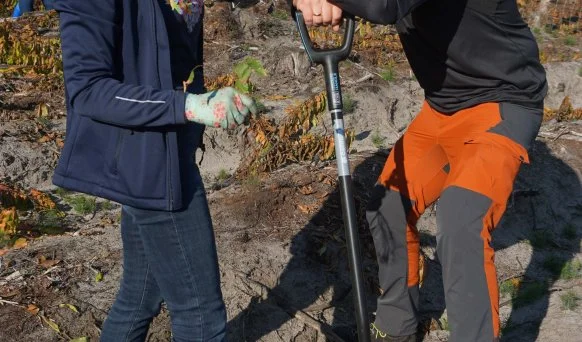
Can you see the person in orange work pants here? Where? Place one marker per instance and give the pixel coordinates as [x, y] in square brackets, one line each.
[469, 160]
[484, 86]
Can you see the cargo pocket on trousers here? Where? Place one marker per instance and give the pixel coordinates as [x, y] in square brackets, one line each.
[490, 165]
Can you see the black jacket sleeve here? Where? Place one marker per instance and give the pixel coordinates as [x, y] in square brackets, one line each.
[378, 11]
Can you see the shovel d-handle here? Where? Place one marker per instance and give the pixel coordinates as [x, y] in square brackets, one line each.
[320, 56]
[329, 59]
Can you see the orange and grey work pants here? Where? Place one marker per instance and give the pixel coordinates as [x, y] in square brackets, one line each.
[469, 160]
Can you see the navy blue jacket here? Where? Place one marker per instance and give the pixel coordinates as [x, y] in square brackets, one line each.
[125, 117]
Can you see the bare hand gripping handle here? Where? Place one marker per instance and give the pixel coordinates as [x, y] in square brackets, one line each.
[321, 56]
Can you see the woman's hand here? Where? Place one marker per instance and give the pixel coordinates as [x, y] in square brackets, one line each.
[319, 12]
[224, 108]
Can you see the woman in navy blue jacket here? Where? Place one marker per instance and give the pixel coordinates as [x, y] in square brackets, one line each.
[131, 137]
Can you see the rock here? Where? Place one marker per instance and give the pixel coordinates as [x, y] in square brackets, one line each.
[296, 64]
[564, 79]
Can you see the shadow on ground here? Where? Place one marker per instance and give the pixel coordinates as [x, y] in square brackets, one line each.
[542, 212]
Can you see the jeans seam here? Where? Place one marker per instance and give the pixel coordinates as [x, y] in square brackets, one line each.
[145, 285]
[194, 285]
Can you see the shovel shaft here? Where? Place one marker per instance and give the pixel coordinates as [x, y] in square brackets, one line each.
[353, 244]
[334, 98]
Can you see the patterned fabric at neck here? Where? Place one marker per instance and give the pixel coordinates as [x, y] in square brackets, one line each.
[190, 10]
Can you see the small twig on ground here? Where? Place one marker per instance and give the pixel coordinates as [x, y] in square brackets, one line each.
[279, 336]
[3, 301]
[358, 65]
[563, 134]
[89, 304]
[53, 326]
[322, 307]
[319, 307]
[224, 44]
[96, 271]
[293, 312]
[504, 303]
[364, 78]
[519, 263]
[51, 269]
[567, 287]
[212, 140]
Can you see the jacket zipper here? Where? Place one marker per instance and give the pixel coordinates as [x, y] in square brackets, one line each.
[117, 152]
[168, 170]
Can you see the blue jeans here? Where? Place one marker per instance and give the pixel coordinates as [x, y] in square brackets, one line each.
[170, 257]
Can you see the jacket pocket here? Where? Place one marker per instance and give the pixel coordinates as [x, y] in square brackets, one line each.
[141, 163]
[118, 144]
[69, 148]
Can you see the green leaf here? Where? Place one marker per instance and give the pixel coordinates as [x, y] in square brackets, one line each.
[191, 77]
[80, 339]
[98, 277]
[238, 85]
[241, 86]
[314, 121]
[240, 69]
[51, 324]
[256, 65]
[246, 75]
[174, 5]
[262, 72]
[70, 306]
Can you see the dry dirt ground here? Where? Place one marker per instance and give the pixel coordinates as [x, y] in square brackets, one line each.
[280, 236]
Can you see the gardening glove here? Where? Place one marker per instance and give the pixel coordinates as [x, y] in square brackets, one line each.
[224, 108]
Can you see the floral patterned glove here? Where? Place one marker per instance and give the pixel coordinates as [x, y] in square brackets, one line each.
[224, 108]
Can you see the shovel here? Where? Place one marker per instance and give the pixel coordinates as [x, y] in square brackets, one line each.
[330, 59]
